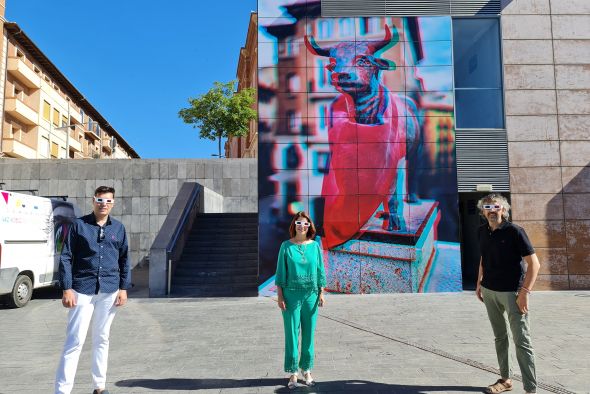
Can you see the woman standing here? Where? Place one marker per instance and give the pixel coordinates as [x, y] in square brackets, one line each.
[300, 280]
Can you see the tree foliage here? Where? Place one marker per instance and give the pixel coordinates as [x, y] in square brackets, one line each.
[221, 112]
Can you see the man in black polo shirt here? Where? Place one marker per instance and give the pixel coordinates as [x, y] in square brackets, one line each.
[504, 286]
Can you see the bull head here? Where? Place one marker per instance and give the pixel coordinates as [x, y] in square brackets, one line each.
[355, 66]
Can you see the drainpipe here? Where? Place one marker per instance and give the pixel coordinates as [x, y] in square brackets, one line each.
[5, 76]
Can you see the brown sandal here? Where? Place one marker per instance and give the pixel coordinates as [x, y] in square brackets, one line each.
[499, 387]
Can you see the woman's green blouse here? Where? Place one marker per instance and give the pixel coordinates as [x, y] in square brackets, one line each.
[300, 267]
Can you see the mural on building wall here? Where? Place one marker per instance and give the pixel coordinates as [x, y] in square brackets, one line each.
[356, 127]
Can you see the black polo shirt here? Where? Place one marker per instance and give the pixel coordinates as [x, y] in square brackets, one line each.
[502, 251]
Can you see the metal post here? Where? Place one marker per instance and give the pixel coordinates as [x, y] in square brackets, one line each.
[168, 289]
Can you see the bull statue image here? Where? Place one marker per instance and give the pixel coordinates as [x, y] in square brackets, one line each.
[370, 130]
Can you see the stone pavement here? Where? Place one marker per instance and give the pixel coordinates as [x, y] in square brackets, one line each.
[397, 343]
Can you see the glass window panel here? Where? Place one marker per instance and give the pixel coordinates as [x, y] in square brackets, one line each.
[476, 50]
[479, 108]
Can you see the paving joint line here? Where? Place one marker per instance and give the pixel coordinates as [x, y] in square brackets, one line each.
[442, 353]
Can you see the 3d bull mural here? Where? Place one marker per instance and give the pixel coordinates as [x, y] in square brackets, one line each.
[370, 131]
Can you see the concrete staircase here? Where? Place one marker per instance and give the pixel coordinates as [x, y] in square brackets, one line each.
[220, 257]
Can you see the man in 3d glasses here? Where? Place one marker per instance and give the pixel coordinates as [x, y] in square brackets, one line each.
[94, 275]
[508, 269]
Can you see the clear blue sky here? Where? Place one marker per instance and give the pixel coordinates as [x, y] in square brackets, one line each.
[139, 61]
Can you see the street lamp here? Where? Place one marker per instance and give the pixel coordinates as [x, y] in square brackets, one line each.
[216, 155]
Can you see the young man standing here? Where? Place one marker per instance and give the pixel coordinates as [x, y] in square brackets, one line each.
[504, 286]
[94, 275]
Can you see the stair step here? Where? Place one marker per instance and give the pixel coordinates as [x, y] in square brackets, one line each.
[208, 242]
[211, 280]
[228, 255]
[197, 272]
[197, 262]
[219, 250]
[214, 291]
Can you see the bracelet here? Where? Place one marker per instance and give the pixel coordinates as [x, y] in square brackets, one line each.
[525, 289]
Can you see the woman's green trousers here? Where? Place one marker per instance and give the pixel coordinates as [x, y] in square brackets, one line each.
[301, 313]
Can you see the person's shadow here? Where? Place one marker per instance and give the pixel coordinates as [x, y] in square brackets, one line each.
[335, 386]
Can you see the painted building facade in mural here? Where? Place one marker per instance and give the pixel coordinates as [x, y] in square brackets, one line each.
[357, 128]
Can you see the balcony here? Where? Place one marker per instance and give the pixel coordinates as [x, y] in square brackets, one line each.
[75, 145]
[91, 134]
[15, 148]
[23, 73]
[21, 111]
[107, 149]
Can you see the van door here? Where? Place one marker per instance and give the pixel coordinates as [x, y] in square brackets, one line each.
[63, 215]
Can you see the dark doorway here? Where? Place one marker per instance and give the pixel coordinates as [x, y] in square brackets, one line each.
[470, 222]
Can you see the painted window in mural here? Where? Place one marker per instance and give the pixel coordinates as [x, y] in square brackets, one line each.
[366, 146]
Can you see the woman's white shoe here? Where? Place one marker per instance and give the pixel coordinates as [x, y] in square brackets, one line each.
[292, 381]
[307, 377]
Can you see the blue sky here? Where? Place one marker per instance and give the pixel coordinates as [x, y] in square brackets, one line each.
[139, 61]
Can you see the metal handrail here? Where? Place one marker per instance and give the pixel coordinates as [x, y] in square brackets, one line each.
[169, 243]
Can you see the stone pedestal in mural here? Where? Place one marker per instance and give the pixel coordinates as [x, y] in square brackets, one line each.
[381, 261]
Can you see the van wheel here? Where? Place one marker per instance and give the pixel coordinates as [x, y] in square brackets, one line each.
[21, 292]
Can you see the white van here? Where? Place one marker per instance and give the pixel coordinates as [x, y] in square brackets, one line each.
[32, 232]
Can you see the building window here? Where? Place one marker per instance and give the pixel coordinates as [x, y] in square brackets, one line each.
[478, 73]
[322, 74]
[54, 150]
[293, 121]
[346, 27]
[322, 162]
[19, 54]
[324, 28]
[46, 111]
[322, 117]
[18, 93]
[293, 83]
[64, 121]
[55, 117]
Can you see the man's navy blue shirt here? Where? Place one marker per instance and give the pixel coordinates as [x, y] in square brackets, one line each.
[91, 263]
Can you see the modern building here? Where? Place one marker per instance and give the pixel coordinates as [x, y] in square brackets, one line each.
[43, 114]
[502, 100]
[247, 75]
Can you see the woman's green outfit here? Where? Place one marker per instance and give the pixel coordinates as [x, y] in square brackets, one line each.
[301, 275]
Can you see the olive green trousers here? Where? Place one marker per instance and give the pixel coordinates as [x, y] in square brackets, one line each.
[301, 315]
[503, 313]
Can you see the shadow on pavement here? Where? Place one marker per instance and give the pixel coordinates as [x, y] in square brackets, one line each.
[337, 386]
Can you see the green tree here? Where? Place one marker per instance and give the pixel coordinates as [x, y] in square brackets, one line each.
[221, 112]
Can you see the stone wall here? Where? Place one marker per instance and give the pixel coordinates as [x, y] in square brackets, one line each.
[145, 189]
[546, 51]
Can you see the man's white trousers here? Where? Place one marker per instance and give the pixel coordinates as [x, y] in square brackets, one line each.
[100, 309]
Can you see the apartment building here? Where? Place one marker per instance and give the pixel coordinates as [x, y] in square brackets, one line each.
[43, 114]
[247, 74]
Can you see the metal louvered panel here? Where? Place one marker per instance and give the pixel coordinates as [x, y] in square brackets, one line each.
[354, 8]
[419, 7]
[482, 158]
[475, 7]
[410, 8]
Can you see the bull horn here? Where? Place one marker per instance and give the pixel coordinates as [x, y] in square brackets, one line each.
[389, 39]
[314, 48]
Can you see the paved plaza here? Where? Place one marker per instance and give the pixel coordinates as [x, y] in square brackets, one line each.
[397, 343]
